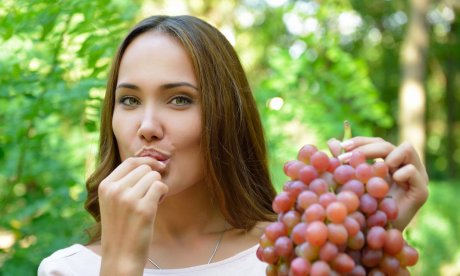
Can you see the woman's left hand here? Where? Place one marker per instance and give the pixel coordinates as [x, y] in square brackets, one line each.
[410, 187]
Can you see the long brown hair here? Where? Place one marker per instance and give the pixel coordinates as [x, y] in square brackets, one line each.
[232, 137]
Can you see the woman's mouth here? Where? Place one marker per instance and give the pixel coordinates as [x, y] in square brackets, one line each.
[160, 156]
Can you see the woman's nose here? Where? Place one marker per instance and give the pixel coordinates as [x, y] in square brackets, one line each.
[150, 128]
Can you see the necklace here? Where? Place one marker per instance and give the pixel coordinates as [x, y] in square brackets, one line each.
[214, 251]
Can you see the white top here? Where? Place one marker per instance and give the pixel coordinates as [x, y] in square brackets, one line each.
[79, 260]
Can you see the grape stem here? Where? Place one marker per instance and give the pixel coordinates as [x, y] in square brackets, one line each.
[346, 130]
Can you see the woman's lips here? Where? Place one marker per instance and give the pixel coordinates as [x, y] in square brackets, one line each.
[161, 156]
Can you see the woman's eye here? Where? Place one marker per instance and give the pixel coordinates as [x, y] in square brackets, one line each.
[129, 101]
[181, 100]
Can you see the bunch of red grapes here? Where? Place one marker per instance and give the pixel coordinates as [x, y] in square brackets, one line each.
[335, 218]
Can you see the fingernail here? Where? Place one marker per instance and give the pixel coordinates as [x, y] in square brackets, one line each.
[345, 157]
[347, 144]
[162, 165]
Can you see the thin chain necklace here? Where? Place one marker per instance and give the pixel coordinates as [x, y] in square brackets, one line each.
[214, 251]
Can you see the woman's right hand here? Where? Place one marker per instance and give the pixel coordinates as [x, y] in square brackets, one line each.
[128, 201]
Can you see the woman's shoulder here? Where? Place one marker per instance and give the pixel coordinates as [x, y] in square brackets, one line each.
[73, 260]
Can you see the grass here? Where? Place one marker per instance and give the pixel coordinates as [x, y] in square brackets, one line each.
[435, 231]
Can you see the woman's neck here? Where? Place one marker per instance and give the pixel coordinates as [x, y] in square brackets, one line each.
[187, 214]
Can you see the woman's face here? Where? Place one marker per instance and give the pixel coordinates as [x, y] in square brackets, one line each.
[157, 109]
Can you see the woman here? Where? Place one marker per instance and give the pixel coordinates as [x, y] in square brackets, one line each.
[183, 187]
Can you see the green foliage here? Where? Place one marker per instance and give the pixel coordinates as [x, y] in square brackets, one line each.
[52, 71]
[436, 232]
[321, 86]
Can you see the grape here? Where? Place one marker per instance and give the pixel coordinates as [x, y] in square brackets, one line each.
[408, 256]
[259, 253]
[298, 233]
[282, 202]
[357, 158]
[376, 237]
[283, 269]
[293, 168]
[307, 173]
[380, 169]
[368, 204]
[328, 252]
[357, 241]
[271, 270]
[364, 172]
[307, 251]
[320, 268]
[294, 188]
[275, 230]
[264, 241]
[306, 152]
[389, 265]
[320, 161]
[287, 165]
[351, 225]
[343, 263]
[388, 205]
[360, 218]
[403, 271]
[314, 212]
[354, 186]
[283, 247]
[377, 187]
[350, 200]
[299, 267]
[358, 271]
[370, 257]
[327, 198]
[290, 219]
[319, 186]
[329, 178]
[376, 272]
[333, 164]
[379, 218]
[316, 233]
[336, 212]
[269, 255]
[394, 242]
[337, 233]
[344, 173]
[334, 218]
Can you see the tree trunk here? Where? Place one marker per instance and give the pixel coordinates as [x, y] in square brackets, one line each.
[413, 66]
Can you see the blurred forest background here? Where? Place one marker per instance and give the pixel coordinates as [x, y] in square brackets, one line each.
[390, 67]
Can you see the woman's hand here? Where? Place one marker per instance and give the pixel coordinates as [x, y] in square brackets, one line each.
[410, 187]
[128, 200]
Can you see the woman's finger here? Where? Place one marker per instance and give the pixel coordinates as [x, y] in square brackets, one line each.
[413, 182]
[371, 147]
[154, 193]
[130, 164]
[403, 155]
[334, 147]
[359, 141]
[142, 186]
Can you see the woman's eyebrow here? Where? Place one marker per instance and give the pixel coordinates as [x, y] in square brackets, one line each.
[178, 84]
[164, 86]
[128, 85]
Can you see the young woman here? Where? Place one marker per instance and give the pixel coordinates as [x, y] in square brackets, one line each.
[182, 187]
